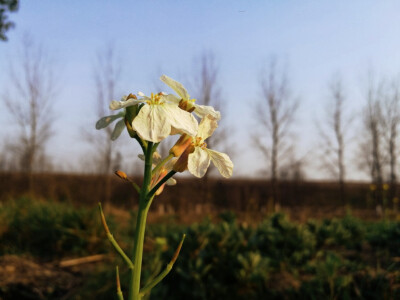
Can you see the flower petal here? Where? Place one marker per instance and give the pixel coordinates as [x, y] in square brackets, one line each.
[172, 98]
[152, 123]
[222, 162]
[206, 127]
[180, 120]
[105, 121]
[121, 104]
[176, 86]
[119, 127]
[203, 110]
[198, 162]
[171, 181]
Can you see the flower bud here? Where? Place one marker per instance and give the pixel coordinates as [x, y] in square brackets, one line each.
[182, 162]
[156, 179]
[163, 173]
[131, 113]
[131, 96]
[121, 175]
[181, 144]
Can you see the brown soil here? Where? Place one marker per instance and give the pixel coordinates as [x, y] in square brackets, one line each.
[22, 278]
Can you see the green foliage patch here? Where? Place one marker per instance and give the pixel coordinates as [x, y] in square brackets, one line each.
[49, 230]
[342, 258]
[278, 259]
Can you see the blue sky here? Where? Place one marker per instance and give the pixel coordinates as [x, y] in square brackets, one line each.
[314, 38]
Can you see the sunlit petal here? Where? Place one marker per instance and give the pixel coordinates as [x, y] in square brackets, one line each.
[152, 123]
[182, 121]
[204, 110]
[176, 86]
[206, 127]
[172, 98]
[198, 162]
[222, 162]
[121, 104]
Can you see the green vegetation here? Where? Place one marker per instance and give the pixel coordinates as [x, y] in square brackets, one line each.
[50, 230]
[334, 259]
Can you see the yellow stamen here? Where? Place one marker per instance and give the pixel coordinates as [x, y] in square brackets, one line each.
[155, 98]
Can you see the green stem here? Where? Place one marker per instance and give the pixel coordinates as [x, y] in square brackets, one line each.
[143, 144]
[138, 252]
[164, 273]
[144, 205]
[148, 160]
[160, 183]
[155, 146]
[120, 251]
[136, 187]
[162, 163]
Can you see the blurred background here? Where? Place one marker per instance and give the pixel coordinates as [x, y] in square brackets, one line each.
[310, 100]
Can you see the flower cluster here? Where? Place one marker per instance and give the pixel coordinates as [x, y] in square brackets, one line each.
[155, 117]
[149, 120]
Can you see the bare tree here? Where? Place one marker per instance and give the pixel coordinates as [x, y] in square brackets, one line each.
[107, 158]
[334, 134]
[29, 101]
[293, 168]
[390, 125]
[8, 160]
[371, 145]
[275, 113]
[207, 91]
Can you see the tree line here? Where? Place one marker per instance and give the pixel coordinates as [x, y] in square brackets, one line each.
[31, 92]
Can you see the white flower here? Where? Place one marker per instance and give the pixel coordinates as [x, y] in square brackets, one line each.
[158, 118]
[197, 157]
[185, 102]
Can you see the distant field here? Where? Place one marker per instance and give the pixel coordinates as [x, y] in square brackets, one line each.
[300, 199]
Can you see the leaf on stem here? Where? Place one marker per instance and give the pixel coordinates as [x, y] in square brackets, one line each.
[113, 241]
[164, 273]
[119, 292]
